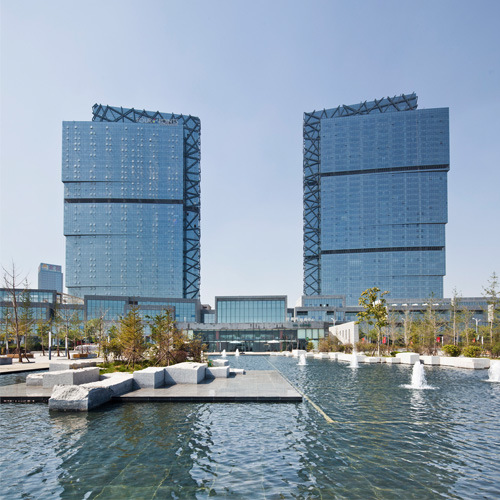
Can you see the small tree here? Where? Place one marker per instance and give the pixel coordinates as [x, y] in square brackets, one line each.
[375, 311]
[131, 337]
[492, 295]
[196, 347]
[426, 329]
[95, 328]
[166, 337]
[42, 330]
[11, 282]
[26, 318]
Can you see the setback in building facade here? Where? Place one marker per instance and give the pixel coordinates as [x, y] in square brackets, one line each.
[375, 199]
[132, 204]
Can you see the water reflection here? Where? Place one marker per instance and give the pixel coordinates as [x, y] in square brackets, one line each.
[384, 442]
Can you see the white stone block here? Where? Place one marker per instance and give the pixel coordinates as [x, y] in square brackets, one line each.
[333, 355]
[371, 359]
[342, 356]
[77, 398]
[392, 361]
[469, 363]
[321, 355]
[185, 373]
[237, 371]
[408, 358]
[297, 352]
[217, 372]
[151, 377]
[73, 364]
[70, 377]
[220, 362]
[34, 379]
[309, 354]
[117, 383]
[431, 360]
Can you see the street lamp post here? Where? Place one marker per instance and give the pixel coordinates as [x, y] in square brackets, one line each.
[477, 321]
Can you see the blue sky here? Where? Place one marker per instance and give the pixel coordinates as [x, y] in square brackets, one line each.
[249, 70]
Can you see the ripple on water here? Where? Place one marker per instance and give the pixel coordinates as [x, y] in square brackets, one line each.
[384, 442]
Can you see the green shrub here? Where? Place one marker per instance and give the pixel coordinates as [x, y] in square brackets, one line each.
[495, 350]
[471, 351]
[452, 350]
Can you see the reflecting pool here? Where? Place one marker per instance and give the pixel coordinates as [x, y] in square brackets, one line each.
[373, 439]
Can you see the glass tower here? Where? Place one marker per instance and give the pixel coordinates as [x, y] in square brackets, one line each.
[50, 277]
[375, 199]
[132, 204]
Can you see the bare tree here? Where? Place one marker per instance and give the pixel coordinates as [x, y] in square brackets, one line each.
[12, 285]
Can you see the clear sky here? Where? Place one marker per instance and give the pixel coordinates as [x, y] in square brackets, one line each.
[249, 70]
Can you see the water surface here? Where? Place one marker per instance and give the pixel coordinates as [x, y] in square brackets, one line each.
[385, 441]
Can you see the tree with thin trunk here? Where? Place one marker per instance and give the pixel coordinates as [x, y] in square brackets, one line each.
[492, 295]
[131, 337]
[12, 283]
[167, 338]
[26, 317]
[375, 311]
[42, 329]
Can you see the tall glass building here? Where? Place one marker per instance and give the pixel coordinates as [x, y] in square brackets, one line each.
[375, 199]
[132, 204]
[50, 277]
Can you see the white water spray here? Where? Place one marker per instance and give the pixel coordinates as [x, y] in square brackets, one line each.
[494, 372]
[302, 360]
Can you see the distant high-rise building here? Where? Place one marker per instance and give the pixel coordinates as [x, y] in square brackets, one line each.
[375, 199]
[50, 277]
[132, 204]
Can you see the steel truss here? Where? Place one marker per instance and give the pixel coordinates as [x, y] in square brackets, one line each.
[192, 177]
[312, 176]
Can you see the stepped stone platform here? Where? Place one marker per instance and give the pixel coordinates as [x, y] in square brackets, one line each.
[221, 384]
[254, 386]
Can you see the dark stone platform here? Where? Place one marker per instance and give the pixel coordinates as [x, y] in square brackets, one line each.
[254, 386]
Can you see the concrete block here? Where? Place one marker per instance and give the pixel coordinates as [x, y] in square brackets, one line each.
[309, 355]
[431, 360]
[77, 398]
[333, 355]
[73, 364]
[116, 383]
[5, 361]
[34, 379]
[220, 362]
[70, 377]
[408, 358]
[151, 377]
[392, 361]
[342, 356]
[185, 373]
[297, 352]
[321, 355]
[370, 359]
[469, 363]
[237, 371]
[217, 372]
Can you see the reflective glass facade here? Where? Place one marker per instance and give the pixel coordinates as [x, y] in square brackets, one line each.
[132, 206]
[50, 277]
[269, 309]
[111, 308]
[375, 199]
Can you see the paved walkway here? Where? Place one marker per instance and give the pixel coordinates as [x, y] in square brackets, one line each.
[38, 362]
